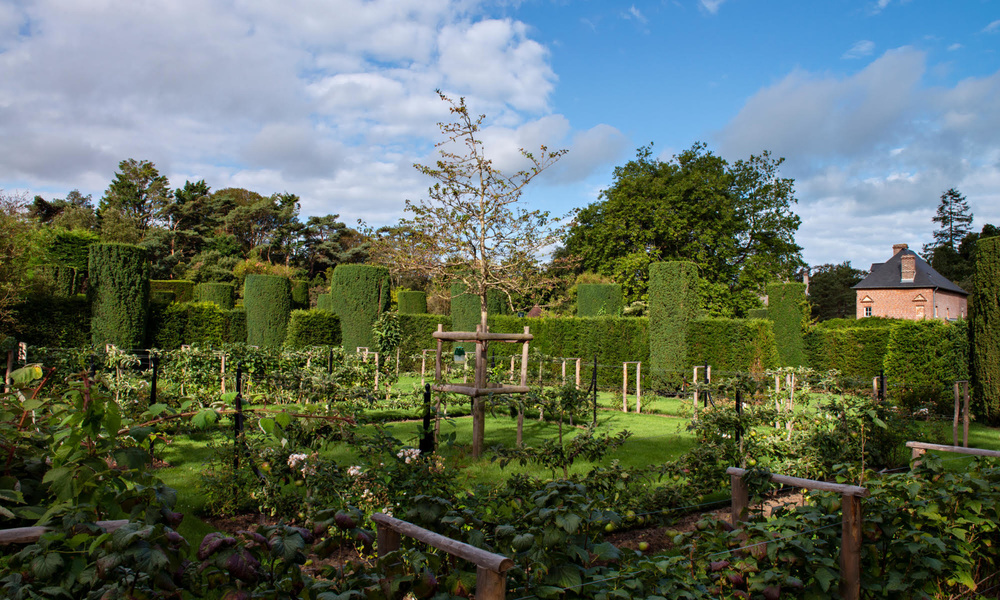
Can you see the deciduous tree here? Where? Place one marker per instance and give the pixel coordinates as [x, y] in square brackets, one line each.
[830, 292]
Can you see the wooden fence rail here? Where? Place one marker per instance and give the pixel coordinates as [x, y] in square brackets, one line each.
[30, 535]
[918, 449]
[850, 537]
[491, 569]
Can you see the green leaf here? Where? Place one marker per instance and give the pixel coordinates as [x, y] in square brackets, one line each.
[25, 375]
[266, 425]
[32, 404]
[205, 418]
[825, 577]
[156, 409]
[46, 565]
[283, 419]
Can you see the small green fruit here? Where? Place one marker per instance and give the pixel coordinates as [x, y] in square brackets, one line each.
[643, 546]
[609, 527]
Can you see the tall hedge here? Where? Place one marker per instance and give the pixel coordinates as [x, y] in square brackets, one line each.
[412, 302]
[744, 345]
[788, 310]
[236, 326]
[673, 305]
[190, 323]
[325, 302]
[300, 293]
[466, 309]
[599, 300]
[118, 294]
[222, 294]
[268, 303]
[857, 351]
[923, 359]
[59, 280]
[53, 321]
[984, 330]
[313, 328]
[416, 330]
[360, 294]
[182, 288]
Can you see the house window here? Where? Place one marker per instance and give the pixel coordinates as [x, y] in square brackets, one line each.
[868, 311]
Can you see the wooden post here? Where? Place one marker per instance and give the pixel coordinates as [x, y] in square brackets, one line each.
[578, 362]
[965, 415]
[437, 361]
[512, 367]
[490, 585]
[638, 388]
[694, 382]
[739, 496]
[10, 367]
[388, 539]
[850, 548]
[478, 404]
[524, 383]
[222, 372]
[954, 425]
[625, 387]
[423, 365]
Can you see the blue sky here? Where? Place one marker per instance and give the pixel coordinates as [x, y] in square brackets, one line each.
[877, 106]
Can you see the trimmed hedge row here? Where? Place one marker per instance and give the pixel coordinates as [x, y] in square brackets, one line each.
[313, 328]
[360, 294]
[673, 304]
[599, 300]
[200, 323]
[222, 294]
[71, 248]
[984, 322]
[923, 359]
[412, 302]
[60, 280]
[268, 302]
[746, 345]
[788, 310]
[325, 302]
[182, 288]
[857, 352]
[118, 294]
[416, 333]
[53, 321]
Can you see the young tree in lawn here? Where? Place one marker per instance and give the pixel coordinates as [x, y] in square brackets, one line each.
[472, 228]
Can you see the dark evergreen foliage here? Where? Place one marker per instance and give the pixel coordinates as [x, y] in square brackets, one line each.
[984, 326]
[673, 305]
[119, 294]
[599, 300]
[183, 289]
[360, 294]
[743, 345]
[268, 303]
[788, 311]
[300, 294]
[222, 294]
[412, 302]
[313, 328]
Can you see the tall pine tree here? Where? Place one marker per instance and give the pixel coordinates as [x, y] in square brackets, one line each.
[955, 221]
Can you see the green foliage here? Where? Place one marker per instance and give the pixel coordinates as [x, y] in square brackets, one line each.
[788, 311]
[599, 300]
[55, 321]
[412, 302]
[300, 293]
[268, 302]
[315, 327]
[984, 329]
[855, 348]
[236, 326]
[830, 293]
[387, 333]
[118, 294]
[183, 289]
[415, 336]
[201, 323]
[136, 197]
[222, 294]
[325, 302]
[734, 221]
[673, 305]
[745, 345]
[360, 294]
[70, 248]
[56, 280]
[922, 361]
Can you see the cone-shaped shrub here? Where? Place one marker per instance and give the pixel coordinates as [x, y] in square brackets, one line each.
[119, 294]
[268, 302]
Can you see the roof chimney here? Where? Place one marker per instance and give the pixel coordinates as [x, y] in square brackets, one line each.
[897, 248]
[909, 268]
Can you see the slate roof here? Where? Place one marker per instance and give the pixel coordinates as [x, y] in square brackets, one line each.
[887, 275]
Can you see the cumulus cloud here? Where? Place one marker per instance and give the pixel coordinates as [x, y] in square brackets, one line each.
[860, 49]
[329, 99]
[712, 6]
[871, 152]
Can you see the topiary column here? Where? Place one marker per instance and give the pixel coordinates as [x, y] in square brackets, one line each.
[119, 294]
[268, 303]
[360, 294]
[599, 300]
[984, 330]
[788, 311]
[673, 304]
[300, 294]
[222, 294]
[412, 302]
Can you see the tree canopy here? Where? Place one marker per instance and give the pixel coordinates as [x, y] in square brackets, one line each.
[734, 221]
[955, 220]
[830, 293]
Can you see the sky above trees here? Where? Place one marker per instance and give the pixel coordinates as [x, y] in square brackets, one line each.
[878, 106]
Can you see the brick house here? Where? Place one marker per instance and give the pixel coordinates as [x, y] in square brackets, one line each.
[906, 287]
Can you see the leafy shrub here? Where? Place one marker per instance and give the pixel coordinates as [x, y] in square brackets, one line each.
[360, 294]
[922, 361]
[300, 293]
[57, 321]
[236, 326]
[201, 323]
[673, 304]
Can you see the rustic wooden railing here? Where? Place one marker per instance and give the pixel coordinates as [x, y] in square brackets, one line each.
[850, 537]
[30, 535]
[919, 448]
[491, 569]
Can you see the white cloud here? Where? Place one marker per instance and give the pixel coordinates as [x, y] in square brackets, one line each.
[711, 6]
[871, 152]
[860, 49]
[329, 99]
[634, 13]
[992, 27]
[954, 47]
